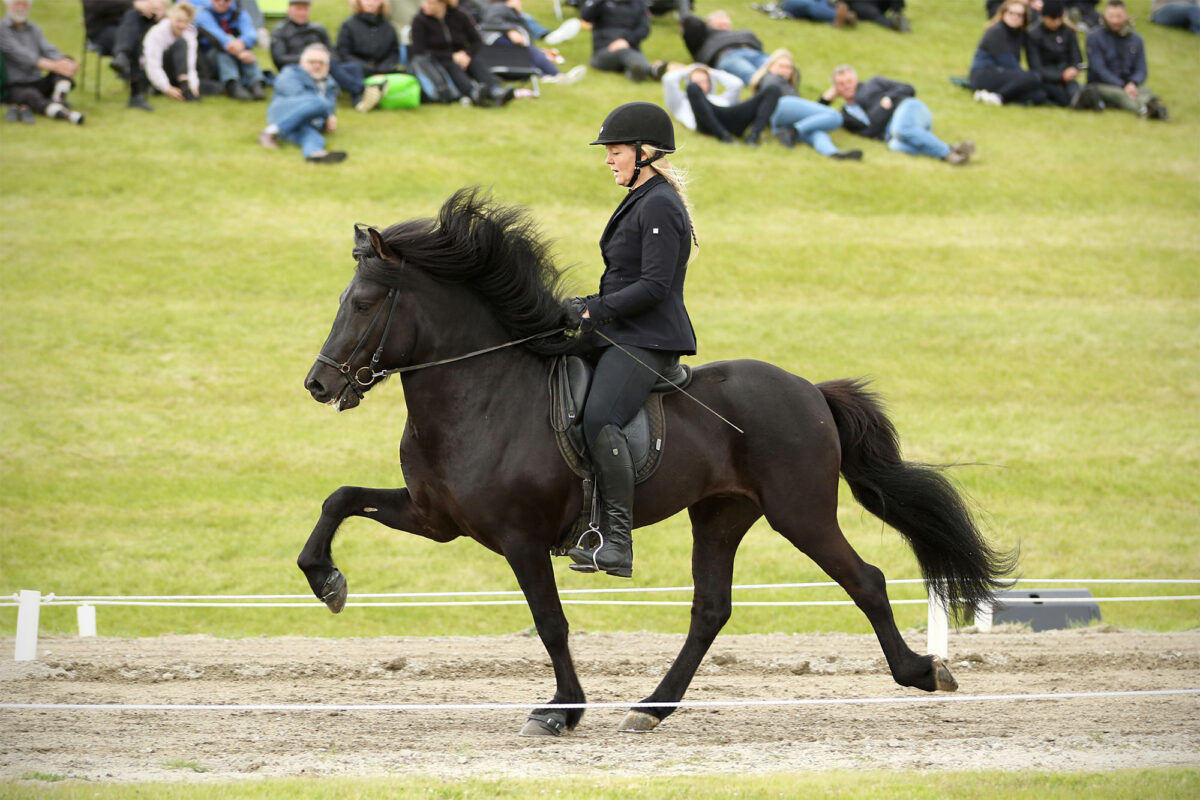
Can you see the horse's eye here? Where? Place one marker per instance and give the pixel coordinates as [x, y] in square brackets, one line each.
[362, 305]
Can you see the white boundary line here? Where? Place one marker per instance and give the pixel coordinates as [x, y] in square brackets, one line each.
[328, 707]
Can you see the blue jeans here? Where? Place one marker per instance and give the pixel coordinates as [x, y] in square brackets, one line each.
[348, 75]
[536, 29]
[811, 120]
[302, 121]
[1179, 15]
[229, 68]
[742, 61]
[911, 131]
[820, 10]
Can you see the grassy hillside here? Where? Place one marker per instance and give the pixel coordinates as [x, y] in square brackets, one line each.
[166, 283]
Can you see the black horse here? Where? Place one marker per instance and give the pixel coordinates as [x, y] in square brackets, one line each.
[480, 459]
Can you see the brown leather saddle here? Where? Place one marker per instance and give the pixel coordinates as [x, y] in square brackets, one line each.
[570, 379]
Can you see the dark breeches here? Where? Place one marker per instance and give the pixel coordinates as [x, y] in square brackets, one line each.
[620, 386]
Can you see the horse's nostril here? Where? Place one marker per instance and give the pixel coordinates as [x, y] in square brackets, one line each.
[314, 386]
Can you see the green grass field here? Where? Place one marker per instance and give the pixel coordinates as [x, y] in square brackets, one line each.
[1172, 784]
[1034, 316]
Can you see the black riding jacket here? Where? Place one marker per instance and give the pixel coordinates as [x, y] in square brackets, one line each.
[645, 248]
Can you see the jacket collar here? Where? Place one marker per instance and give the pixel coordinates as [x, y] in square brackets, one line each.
[629, 201]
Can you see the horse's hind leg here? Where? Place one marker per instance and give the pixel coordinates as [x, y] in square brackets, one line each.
[391, 507]
[825, 544]
[718, 525]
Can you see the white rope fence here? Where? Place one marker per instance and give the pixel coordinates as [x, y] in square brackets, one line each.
[344, 707]
[29, 603]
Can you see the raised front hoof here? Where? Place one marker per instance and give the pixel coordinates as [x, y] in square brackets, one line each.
[943, 680]
[333, 593]
[638, 722]
[551, 724]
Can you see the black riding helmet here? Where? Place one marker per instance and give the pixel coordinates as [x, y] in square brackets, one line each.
[638, 124]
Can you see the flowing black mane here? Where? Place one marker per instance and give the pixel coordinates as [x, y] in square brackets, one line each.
[496, 250]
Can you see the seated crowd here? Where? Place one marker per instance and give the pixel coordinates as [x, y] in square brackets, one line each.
[192, 48]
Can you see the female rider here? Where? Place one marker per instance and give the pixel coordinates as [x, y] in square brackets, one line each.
[637, 320]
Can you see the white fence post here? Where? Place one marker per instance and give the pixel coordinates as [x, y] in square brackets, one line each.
[983, 618]
[85, 613]
[27, 625]
[939, 626]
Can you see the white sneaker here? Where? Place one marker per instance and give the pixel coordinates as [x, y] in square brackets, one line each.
[573, 75]
[988, 98]
[371, 96]
[563, 32]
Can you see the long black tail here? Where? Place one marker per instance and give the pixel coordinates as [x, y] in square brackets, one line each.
[915, 499]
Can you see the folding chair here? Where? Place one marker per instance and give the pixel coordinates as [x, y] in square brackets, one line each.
[90, 47]
[506, 60]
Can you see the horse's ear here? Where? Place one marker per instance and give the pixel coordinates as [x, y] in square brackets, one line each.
[360, 236]
[380, 246]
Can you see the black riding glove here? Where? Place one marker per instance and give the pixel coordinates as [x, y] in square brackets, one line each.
[576, 307]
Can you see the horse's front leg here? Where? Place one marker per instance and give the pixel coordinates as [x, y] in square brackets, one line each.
[391, 507]
[530, 562]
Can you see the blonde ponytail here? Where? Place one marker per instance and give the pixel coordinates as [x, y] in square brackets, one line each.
[678, 178]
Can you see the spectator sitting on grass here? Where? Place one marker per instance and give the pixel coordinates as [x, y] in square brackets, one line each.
[295, 33]
[445, 32]
[128, 37]
[618, 29]
[367, 39]
[101, 18]
[504, 20]
[996, 74]
[1117, 65]
[169, 55]
[794, 117]
[889, 110]
[888, 13]
[712, 41]
[706, 101]
[1176, 14]
[511, 12]
[39, 75]
[836, 12]
[227, 43]
[302, 108]
[1052, 49]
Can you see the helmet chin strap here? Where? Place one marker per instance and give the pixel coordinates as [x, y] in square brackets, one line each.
[639, 162]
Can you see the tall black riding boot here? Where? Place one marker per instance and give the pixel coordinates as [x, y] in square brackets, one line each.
[614, 482]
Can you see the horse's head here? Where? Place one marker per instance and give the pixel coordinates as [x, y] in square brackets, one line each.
[473, 277]
[350, 362]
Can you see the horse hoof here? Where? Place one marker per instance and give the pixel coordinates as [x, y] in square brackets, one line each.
[333, 593]
[942, 677]
[551, 724]
[638, 722]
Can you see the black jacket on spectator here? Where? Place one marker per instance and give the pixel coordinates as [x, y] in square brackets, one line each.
[706, 44]
[288, 41]
[441, 38]
[370, 41]
[616, 19]
[100, 20]
[869, 97]
[1051, 52]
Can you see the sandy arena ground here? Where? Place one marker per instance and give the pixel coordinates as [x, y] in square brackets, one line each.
[1060, 735]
